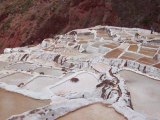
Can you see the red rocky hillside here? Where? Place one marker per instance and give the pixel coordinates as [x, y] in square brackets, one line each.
[26, 22]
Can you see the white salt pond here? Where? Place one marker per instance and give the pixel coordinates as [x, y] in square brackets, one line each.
[13, 103]
[16, 78]
[23, 66]
[101, 67]
[40, 83]
[86, 82]
[93, 112]
[145, 93]
[49, 71]
[2, 75]
[3, 65]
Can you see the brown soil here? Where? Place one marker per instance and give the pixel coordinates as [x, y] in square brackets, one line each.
[29, 22]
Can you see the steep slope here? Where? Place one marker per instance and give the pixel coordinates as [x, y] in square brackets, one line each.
[138, 13]
[29, 22]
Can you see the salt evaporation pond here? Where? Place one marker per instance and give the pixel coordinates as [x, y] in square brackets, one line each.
[49, 71]
[86, 82]
[145, 93]
[40, 83]
[16, 78]
[14, 103]
[3, 64]
[22, 66]
[93, 112]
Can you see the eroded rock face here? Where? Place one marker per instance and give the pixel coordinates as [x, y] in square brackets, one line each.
[29, 22]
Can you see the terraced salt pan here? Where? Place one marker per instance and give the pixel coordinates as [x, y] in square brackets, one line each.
[104, 34]
[114, 53]
[49, 71]
[148, 52]
[40, 83]
[157, 65]
[82, 42]
[22, 66]
[3, 75]
[93, 112]
[17, 104]
[101, 67]
[146, 60]
[87, 82]
[3, 65]
[84, 37]
[16, 78]
[152, 36]
[71, 52]
[97, 44]
[130, 56]
[75, 52]
[145, 93]
[111, 45]
[133, 48]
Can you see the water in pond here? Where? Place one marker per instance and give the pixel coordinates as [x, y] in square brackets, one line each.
[93, 112]
[13, 103]
[145, 93]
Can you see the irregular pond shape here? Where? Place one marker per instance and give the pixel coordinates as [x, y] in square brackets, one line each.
[145, 93]
[14, 103]
[93, 112]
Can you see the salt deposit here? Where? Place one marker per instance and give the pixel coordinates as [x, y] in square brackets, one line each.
[83, 73]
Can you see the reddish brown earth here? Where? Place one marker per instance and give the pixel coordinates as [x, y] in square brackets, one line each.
[25, 22]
